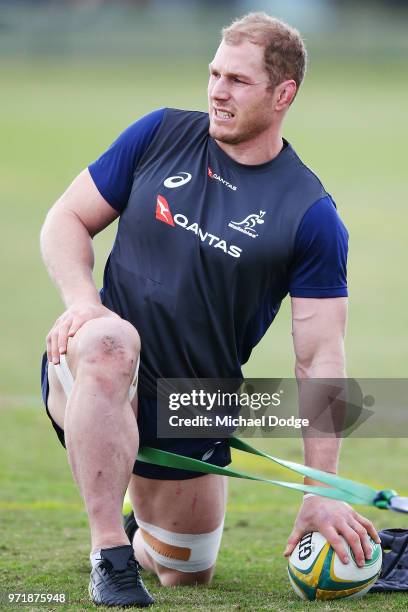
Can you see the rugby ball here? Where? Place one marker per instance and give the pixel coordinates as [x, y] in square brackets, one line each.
[316, 572]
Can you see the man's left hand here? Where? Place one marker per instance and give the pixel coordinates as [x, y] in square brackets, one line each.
[333, 519]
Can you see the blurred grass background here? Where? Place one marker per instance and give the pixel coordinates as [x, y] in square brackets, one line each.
[71, 78]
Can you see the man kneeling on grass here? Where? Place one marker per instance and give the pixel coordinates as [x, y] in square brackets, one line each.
[191, 304]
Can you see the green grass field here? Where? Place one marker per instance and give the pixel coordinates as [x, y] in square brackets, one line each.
[349, 125]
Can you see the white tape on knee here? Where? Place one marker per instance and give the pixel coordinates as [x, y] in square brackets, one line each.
[185, 552]
[64, 374]
[67, 380]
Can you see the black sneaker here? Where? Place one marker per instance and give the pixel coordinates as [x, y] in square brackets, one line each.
[115, 580]
[130, 525]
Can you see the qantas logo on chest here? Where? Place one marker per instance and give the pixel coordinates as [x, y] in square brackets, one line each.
[217, 177]
[163, 213]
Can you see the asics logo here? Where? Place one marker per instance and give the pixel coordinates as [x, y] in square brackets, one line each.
[208, 454]
[178, 180]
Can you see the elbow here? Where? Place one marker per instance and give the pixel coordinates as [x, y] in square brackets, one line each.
[51, 217]
[325, 364]
[48, 230]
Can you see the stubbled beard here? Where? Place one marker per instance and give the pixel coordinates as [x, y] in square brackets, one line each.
[227, 138]
[247, 132]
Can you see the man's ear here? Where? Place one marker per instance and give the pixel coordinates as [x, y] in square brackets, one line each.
[284, 94]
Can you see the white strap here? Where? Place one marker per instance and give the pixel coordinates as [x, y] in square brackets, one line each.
[133, 384]
[67, 380]
[64, 375]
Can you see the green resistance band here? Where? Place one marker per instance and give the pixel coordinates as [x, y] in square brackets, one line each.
[339, 488]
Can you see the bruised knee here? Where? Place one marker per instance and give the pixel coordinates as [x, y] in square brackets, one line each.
[107, 349]
[106, 339]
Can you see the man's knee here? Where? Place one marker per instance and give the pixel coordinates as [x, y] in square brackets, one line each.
[179, 558]
[170, 577]
[106, 349]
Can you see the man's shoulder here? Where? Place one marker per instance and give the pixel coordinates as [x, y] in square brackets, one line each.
[180, 128]
[183, 113]
[303, 179]
[304, 171]
[185, 120]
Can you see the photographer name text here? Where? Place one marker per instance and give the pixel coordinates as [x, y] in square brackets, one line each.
[237, 421]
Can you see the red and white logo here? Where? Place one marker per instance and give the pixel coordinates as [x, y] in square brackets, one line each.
[163, 212]
[217, 177]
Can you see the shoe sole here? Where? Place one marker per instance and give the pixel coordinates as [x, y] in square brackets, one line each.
[130, 605]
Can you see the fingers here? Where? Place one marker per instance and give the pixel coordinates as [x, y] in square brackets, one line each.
[52, 344]
[48, 345]
[75, 325]
[371, 530]
[293, 539]
[69, 323]
[363, 535]
[355, 542]
[57, 339]
[355, 535]
[62, 339]
[342, 527]
[334, 539]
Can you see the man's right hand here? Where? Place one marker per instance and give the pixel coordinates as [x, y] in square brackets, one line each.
[68, 324]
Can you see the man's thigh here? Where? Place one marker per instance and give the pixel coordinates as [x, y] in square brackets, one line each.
[57, 399]
[180, 526]
[195, 505]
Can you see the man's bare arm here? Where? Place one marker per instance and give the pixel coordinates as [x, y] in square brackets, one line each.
[66, 246]
[318, 327]
[318, 336]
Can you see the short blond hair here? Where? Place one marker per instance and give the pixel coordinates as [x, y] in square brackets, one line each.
[285, 54]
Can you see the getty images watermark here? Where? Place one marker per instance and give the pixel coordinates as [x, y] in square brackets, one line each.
[208, 408]
[220, 400]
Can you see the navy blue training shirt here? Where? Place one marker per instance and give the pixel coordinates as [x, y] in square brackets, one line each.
[207, 248]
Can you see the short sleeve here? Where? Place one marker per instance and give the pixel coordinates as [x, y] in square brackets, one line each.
[319, 268]
[113, 171]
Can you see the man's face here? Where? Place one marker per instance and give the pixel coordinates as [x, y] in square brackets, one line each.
[240, 103]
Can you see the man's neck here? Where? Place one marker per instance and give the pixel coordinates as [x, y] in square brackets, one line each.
[254, 152]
